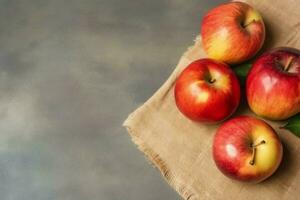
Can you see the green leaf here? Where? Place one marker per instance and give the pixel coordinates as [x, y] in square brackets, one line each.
[293, 125]
[241, 71]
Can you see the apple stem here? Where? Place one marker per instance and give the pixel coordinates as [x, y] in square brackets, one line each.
[212, 80]
[247, 23]
[289, 64]
[261, 142]
[254, 151]
[253, 156]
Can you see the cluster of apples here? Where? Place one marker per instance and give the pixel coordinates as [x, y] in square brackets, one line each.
[208, 91]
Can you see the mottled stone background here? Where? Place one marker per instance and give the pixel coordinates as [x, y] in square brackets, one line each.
[70, 73]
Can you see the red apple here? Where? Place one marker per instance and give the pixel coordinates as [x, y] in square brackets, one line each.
[247, 149]
[273, 84]
[207, 91]
[232, 32]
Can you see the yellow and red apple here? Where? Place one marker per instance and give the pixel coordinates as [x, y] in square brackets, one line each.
[207, 91]
[273, 84]
[232, 32]
[247, 149]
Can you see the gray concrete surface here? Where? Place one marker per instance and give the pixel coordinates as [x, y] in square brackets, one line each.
[70, 73]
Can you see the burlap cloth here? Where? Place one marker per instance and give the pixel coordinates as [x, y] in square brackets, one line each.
[181, 149]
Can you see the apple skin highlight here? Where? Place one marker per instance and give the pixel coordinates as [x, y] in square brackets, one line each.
[232, 32]
[232, 151]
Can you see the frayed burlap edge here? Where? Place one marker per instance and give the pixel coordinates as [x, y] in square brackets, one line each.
[154, 158]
